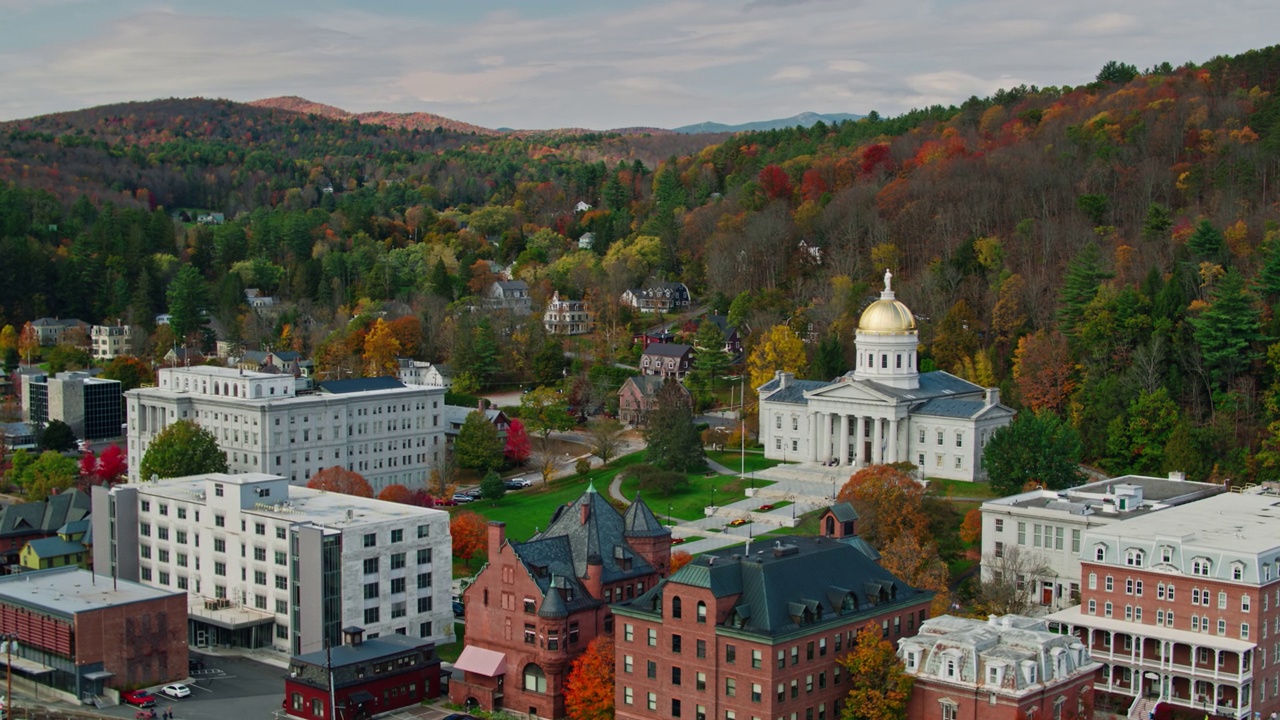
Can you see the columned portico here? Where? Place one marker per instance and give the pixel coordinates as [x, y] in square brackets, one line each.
[843, 439]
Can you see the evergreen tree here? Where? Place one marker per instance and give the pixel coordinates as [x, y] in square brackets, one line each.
[1035, 447]
[492, 487]
[58, 436]
[1269, 275]
[188, 299]
[439, 282]
[1229, 330]
[674, 442]
[829, 362]
[1156, 227]
[1084, 274]
[1206, 241]
[1172, 300]
[710, 361]
[478, 446]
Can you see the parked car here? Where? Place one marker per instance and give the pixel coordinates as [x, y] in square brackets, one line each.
[140, 698]
[194, 663]
[459, 610]
[176, 690]
[444, 502]
[519, 483]
[462, 498]
[474, 493]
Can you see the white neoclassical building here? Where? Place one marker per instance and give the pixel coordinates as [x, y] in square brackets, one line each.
[885, 410]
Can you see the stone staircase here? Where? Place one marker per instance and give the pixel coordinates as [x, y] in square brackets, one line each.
[1142, 707]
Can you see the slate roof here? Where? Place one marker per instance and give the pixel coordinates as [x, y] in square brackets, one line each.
[950, 407]
[314, 670]
[640, 521]
[812, 580]
[512, 285]
[937, 384]
[668, 349]
[793, 393]
[44, 516]
[558, 556]
[340, 387]
[649, 385]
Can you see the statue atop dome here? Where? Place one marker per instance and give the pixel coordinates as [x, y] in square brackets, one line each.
[888, 276]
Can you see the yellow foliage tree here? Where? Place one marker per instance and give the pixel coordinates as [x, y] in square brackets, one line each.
[380, 350]
[779, 349]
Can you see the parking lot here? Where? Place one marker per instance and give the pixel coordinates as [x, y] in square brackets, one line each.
[227, 687]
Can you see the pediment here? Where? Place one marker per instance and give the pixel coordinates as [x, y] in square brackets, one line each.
[849, 391]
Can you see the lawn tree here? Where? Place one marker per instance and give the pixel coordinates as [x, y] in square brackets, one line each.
[604, 437]
[341, 480]
[545, 411]
[469, 533]
[184, 448]
[46, 475]
[58, 436]
[1035, 448]
[546, 462]
[915, 560]
[1007, 584]
[517, 448]
[478, 446]
[673, 439]
[589, 687]
[710, 361]
[129, 371]
[879, 685]
[492, 487]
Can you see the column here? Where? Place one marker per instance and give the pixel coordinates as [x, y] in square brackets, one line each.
[859, 429]
[815, 437]
[877, 455]
[828, 430]
[843, 439]
[893, 440]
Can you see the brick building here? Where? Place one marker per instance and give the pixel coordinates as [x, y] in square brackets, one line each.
[755, 634]
[1182, 607]
[538, 604]
[369, 677]
[77, 632]
[1008, 668]
[638, 397]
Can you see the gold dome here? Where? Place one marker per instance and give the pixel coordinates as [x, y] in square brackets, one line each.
[887, 317]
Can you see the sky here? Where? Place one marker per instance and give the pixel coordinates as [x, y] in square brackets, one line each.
[602, 64]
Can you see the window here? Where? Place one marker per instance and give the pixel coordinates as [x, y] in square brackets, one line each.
[1202, 567]
[1244, 603]
[730, 654]
[730, 687]
[219, 521]
[939, 437]
[999, 524]
[757, 692]
[676, 611]
[1133, 558]
[397, 585]
[530, 635]
[1093, 581]
[371, 566]
[1237, 571]
[653, 638]
[1222, 626]
[397, 561]
[1106, 609]
[700, 681]
[259, 577]
[959, 439]
[397, 536]
[1128, 586]
[949, 711]
[370, 590]
[628, 696]
[1100, 554]
[628, 632]
[675, 643]
[1093, 607]
[1110, 584]
[628, 664]
[1222, 600]
[701, 646]
[370, 539]
[219, 568]
[424, 580]
[1075, 541]
[757, 659]
[1022, 533]
[702, 612]
[1244, 631]
[371, 615]
[675, 675]
[424, 556]
[534, 679]
[652, 701]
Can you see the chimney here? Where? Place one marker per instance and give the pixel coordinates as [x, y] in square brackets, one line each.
[1177, 476]
[784, 378]
[993, 396]
[352, 635]
[586, 512]
[991, 620]
[497, 538]
[480, 405]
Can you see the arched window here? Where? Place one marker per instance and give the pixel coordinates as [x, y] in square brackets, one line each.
[534, 679]
[831, 526]
[702, 612]
[1100, 553]
[675, 607]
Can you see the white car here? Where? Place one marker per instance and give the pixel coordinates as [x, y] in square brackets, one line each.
[176, 690]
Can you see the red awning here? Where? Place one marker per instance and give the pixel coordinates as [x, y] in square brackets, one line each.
[481, 662]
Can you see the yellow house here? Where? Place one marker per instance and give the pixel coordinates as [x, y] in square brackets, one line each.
[70, 547]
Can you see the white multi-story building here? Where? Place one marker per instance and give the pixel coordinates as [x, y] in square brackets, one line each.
[884, 410]
[266, 564]
[1047, 527]
[111, 341]
[388, 432]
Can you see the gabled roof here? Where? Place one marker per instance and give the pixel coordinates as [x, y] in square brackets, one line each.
[339, 387]
[793, 393]
[649, 385]
[51, 547]
[674, 350]
[512, 284]
[844, 512]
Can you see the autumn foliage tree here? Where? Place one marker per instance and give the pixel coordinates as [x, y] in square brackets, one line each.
[1043, 371]
[341, 480]
[470, 533]
[879, 686]
[518, 446]
[396, 493]
[779, 349]
[680, 558]
[889, 503]
[380, 350]
[588, 690]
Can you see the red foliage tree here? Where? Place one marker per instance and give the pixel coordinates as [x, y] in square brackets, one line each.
[341, 480]
[680, 558]
[1044, 371]
[396, 493]
[775, 182]
[470, 533]
[518, 446]
[112, 464]
[813, 186]
[421, 498]
[588, 690]
[408, 332]
[88, 465]
[875, 156]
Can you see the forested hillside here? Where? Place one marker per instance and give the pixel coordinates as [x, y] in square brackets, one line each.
[1108, 253]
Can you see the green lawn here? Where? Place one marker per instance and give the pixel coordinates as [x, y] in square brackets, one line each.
[450, 651]
[959, 488]
[702, 491]
[525, 510]
[732, 459]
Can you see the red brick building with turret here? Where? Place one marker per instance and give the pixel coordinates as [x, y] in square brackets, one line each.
[536, 605]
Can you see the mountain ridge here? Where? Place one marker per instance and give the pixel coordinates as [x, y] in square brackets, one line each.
[804, 119]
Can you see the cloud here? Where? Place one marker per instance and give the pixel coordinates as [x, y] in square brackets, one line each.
[650, 62]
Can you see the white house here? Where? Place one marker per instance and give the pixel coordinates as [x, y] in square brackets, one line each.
[884, 410]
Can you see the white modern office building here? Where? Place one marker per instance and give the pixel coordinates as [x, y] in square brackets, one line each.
[884, 410]
[267, 564]
[1047, 527]
[388, 432]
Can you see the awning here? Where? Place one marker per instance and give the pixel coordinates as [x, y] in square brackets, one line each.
[98, 675]
[30, 667]
[360, 697]
[481, 662]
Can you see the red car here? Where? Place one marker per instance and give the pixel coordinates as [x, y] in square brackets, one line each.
[141, 698]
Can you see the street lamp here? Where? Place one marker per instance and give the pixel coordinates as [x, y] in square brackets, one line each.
[669, 523]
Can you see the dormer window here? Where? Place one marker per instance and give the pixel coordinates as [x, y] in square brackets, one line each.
[913, 660]
[1166, 554]
[1202, 567]
[1237, 571]
[1100, 553]
[1133, 558]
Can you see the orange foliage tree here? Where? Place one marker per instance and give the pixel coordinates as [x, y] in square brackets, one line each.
[879, 686]
[341, 480]
[396, 493]
[1043, 370]
[679, 559]
[915, 561]
[380, 350]
[408, 332]
[971, 528]
[588, 690]
[889, 503]
[470, 532]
